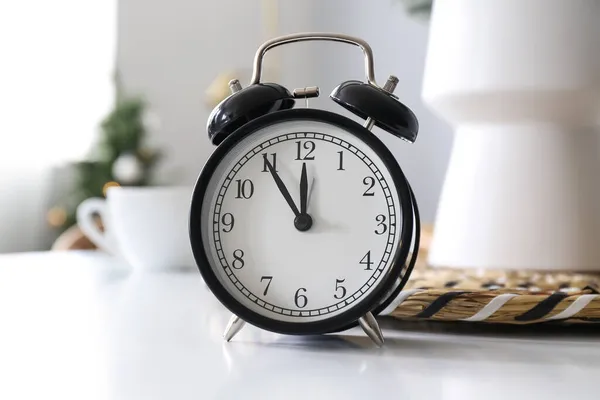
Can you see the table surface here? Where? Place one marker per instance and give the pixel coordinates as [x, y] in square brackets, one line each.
[82, 325]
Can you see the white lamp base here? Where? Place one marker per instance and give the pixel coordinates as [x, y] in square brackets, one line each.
[520, 197]
[517, 80]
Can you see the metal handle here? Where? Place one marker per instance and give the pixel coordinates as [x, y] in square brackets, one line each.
[309, 36]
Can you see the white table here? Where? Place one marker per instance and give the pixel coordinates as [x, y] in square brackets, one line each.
[82, 326]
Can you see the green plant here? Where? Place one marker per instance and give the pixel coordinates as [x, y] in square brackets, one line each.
[120, 157]
[420, 9]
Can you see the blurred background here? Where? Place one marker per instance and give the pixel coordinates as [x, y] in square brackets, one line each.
[104, 93]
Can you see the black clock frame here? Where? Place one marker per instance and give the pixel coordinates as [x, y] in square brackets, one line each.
[380, 296]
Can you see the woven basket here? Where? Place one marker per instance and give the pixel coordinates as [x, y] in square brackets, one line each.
[496, 296]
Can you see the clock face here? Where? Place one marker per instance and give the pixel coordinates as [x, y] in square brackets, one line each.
[301, 221]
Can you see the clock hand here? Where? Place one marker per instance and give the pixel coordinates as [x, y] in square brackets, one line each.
[303, 190]
[282, 188]
[303, 221]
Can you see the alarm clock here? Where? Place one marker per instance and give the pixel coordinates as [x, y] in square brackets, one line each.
[302, 221]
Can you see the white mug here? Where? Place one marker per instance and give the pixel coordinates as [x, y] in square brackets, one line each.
[146, 226]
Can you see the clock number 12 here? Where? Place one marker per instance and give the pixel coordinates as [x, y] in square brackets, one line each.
[308, 145]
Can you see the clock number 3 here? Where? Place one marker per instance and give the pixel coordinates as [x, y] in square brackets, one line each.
[381, 226]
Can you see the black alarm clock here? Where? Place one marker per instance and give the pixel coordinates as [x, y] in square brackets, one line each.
[301, 220]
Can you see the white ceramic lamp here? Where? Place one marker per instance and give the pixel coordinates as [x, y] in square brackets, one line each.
[519, 81]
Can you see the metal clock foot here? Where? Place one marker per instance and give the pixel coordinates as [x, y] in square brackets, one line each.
[369, 324]
[233, 327]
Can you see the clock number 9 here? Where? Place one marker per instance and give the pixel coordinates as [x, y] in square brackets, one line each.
[300, 298]
[228, 221]
[381, 219]
[308, 145]
[238, 262]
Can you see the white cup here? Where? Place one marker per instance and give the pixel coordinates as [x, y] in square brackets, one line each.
[146, 226]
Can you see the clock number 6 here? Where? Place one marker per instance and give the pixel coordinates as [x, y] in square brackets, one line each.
[300, 298]
[381, 219]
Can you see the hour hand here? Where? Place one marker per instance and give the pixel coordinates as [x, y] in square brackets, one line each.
[303, 221]
[282, 188]
[303, 190]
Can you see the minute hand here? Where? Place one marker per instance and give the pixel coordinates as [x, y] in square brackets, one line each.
[282, 188]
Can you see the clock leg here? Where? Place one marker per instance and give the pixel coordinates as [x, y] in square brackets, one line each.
[233, 327]
[369, 324]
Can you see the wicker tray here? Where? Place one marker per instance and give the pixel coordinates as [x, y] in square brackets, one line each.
[494, 296]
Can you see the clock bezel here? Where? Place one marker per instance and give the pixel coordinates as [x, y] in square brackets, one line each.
[371, 301]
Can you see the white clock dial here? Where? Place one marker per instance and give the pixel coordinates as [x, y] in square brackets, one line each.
[253, 245]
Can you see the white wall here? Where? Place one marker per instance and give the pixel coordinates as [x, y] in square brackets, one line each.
[55, 86]
[399, 45]
[171, 51]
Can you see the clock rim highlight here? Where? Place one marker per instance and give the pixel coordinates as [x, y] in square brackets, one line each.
[398, 266]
